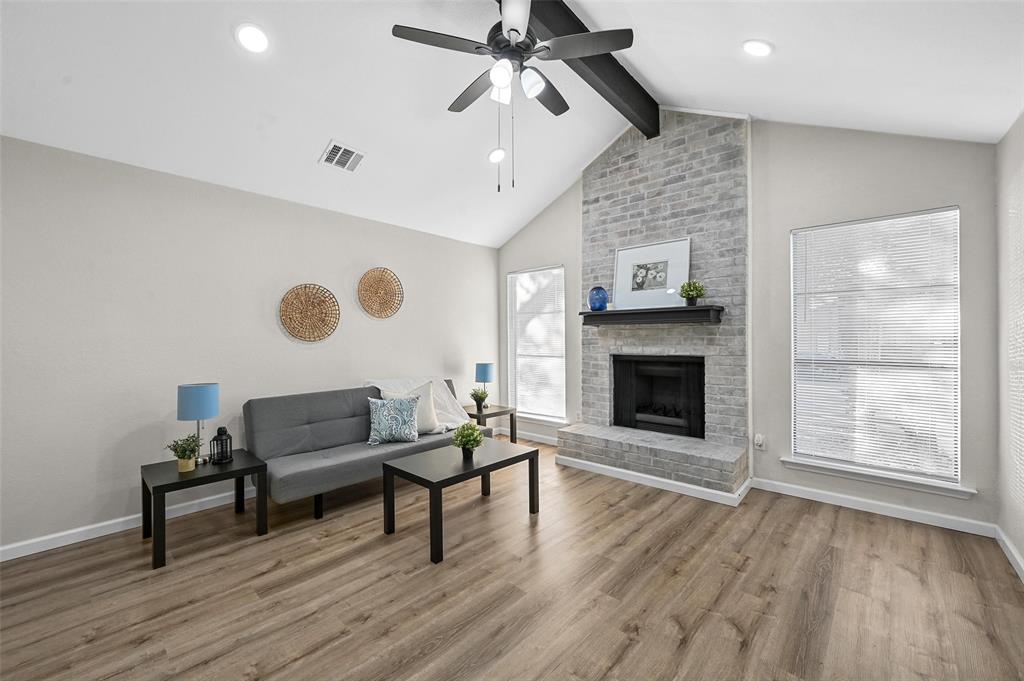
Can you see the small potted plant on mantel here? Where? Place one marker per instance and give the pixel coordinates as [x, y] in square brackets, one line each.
[468, 437]
[691, 292]
[479, 396]
[186, 450]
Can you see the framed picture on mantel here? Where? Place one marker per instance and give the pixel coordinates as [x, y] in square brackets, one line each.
[648, 275]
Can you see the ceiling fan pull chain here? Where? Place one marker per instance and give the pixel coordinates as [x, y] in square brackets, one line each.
[512, 140]
[499, 165]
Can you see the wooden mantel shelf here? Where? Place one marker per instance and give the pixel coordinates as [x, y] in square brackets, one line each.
[696, 314]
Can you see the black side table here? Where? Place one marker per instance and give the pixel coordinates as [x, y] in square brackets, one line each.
[493, 411]
[163, 477]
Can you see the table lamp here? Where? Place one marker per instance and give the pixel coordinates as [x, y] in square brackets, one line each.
[484, 374]
[198, 402]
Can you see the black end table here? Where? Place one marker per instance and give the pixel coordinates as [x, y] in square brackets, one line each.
[493, 411]
[445, 466]
[163, 477]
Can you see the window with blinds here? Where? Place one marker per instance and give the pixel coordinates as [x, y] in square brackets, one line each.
[536, 342]
[876, 344]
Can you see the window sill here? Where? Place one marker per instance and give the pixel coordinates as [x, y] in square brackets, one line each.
[546, 420]
[948, 489]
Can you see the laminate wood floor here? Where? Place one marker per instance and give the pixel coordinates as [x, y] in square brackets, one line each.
[611, 581]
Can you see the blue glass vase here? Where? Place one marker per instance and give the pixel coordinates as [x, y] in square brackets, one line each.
[598, 299]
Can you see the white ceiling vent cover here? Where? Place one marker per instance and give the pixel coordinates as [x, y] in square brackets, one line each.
[337, 155]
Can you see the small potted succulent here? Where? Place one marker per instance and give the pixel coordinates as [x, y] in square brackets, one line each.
[186, 450]
[479, 396]
[468, 437]
[691, 291]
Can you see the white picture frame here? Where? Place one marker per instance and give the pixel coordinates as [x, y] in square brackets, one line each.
[649, 275]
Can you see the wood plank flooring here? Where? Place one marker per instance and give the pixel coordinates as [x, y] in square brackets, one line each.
[611, 581]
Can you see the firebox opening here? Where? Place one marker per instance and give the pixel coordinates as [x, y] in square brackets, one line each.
[659, 393]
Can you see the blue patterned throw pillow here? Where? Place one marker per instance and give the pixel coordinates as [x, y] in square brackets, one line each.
[393, 420]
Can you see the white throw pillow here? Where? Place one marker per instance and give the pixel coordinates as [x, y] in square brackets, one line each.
[426, 414]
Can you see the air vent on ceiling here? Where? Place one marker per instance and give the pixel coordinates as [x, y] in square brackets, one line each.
[339, 156]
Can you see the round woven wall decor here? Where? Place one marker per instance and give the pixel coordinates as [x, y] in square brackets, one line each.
[380, 292]
[310, 312]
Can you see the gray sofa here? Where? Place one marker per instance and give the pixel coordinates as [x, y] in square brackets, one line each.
[316, 442]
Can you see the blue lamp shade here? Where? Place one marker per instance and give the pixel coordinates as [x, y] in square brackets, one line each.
[485, 373]
[198, 401]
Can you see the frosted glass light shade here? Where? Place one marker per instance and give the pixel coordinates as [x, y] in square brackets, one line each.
[532, 82]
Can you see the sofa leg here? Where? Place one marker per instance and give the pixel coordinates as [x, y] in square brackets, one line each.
[318, 506]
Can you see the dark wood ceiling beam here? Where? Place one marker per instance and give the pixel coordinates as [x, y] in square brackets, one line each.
[604, 73]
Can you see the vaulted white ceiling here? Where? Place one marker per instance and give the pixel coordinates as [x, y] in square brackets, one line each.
[163, 85]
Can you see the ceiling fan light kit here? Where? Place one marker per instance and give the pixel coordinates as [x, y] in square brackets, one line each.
[501, 73]
[510, 43]
[531, 81]
[501, 95]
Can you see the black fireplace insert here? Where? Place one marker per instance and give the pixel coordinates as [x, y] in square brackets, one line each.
[662, 393]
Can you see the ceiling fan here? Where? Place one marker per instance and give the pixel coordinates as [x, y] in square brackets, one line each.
[511, 43]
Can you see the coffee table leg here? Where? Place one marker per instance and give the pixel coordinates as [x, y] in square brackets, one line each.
[159, 531]
[485, 484]
[261, 503]
[436, 528]
[534, 484]
[239, 495]
[389, 501]
[147, 512]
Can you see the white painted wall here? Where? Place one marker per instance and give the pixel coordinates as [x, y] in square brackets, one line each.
[551, 238]
[1010, 160]
[804, 176]
[120, 283]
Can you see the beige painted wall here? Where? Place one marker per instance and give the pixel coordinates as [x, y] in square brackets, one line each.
[551, 238]
[120, 283]
[1010, 160]
[804, 176]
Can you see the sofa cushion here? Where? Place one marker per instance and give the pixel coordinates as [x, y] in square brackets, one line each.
[292, 424]
[393, 420]
[303, 475]
[426, 414]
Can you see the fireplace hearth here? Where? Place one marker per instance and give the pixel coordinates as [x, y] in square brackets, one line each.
[660, 393]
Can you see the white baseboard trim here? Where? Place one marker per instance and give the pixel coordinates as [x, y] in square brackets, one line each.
[727, 498]
[523, 435]
[1012, 553]
[77, 534]
[951, 522]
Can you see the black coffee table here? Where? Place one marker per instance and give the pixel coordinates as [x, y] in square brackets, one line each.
[163, 477]
[445, 466]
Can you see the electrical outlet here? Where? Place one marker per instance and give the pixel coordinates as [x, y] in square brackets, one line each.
[759, 442]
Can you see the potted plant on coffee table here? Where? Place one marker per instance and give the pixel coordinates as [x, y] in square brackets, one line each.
[691, 292]
[479, 396]
[468, 437]
[186, 450]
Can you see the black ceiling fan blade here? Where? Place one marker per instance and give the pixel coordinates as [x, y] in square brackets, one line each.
[472, 93]
[443, 40]
[550, 97]
[585, 44]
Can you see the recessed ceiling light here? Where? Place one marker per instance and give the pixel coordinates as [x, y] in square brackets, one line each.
[252, 38]
[757, 48]
[497, 155]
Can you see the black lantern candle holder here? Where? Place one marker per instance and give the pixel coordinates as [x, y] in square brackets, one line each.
[220, 446]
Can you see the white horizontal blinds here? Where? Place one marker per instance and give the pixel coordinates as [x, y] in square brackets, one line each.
[876, 344]
[536, 327]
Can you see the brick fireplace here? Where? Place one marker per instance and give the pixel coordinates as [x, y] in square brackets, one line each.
[689, 182]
